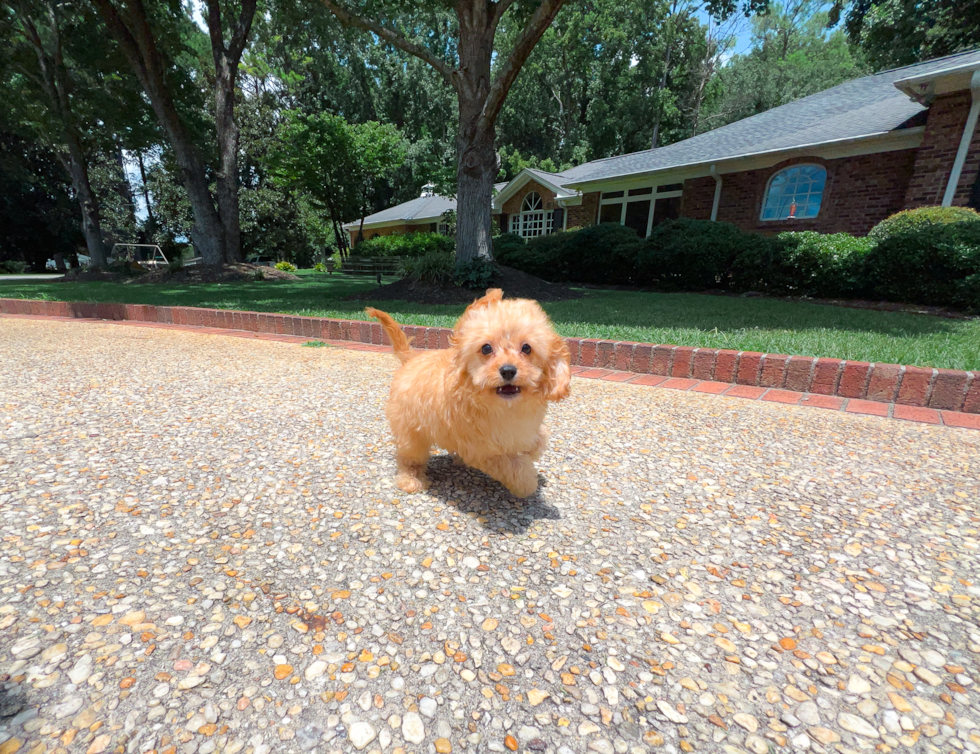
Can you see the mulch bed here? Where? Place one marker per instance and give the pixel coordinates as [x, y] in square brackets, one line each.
[229, 273]
[515, 284]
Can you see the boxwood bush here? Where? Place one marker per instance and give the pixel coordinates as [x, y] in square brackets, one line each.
[691, 255]
[929, 255]
[804, 264]
[405, 245]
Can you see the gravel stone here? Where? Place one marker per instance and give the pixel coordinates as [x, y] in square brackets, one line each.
[204, 531]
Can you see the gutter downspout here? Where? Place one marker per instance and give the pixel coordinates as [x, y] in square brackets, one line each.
[968, 129]
[717, 201]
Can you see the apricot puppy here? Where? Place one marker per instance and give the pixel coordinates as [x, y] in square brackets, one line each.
[484, 398]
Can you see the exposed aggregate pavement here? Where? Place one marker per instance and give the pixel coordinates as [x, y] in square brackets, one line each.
[203, 551]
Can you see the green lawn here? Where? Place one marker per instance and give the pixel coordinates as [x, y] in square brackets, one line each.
[685, 319]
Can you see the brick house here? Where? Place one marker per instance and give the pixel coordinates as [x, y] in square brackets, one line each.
[839, 160]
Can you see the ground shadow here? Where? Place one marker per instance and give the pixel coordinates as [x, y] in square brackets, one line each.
[11, 704]
[472, 491]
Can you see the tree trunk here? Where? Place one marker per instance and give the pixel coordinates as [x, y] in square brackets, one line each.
[476, 157]
[228, 138]
[226, 59]
[89, 205]
[139, 45]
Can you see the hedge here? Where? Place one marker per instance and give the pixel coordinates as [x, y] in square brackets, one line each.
[405, 245]
[929, 255]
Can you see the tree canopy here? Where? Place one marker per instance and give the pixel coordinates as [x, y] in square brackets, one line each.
[250, 127]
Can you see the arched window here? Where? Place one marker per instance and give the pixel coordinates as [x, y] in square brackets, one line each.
[529, 222]
[794, 193]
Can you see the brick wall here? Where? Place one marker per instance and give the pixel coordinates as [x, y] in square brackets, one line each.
[584, 214]
[860, 191]
[934, 161]
[513, 205]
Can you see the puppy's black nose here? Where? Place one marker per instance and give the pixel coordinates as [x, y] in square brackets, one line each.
[508, 371]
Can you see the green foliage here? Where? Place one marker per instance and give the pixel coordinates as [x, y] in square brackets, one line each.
[12, 267]
[917, 219]
[599, 255]
[927, 256]
[792, 56]
[505, 246]
[894, 33]
[319, 267]
[434, 267]
[406, 245]
[475, 273]
[694, 255]
[823, 266]
[286, 266]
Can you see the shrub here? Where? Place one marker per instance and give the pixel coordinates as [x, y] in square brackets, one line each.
[803, 264]
[601, 255]
[927, 261]
[436, 267]
[405, 245]
[476, 273]
[598, 255]
[505, 246]
[698, 254]
[13, 267]
[319, 267]
[917, 219]
[286, 266]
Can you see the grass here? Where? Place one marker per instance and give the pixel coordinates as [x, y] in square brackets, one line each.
[750, 324]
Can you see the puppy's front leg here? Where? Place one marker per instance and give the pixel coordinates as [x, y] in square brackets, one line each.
[412, 455]
[540, 443]
[516, 473]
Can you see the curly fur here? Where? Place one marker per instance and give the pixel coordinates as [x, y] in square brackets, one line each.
[449, 398]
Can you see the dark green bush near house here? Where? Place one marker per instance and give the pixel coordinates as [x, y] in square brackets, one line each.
[405, 245]
[689, 255]
[935, 263]
[804, 264]
[475, 274]
[505, 246]
[436, 267]
[917, 219]
[600, 255]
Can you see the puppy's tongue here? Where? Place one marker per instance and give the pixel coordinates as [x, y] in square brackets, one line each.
[508, 390]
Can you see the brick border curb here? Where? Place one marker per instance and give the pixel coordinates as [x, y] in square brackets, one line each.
[916, 387]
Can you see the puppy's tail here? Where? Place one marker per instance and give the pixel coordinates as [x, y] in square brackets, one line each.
[399, 341]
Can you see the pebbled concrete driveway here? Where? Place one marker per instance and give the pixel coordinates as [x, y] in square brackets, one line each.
[203, 551]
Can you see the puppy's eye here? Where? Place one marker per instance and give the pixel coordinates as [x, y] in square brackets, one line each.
[525, 349]
[487, 349]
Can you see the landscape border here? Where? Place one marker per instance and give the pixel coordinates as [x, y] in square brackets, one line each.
[949, 390]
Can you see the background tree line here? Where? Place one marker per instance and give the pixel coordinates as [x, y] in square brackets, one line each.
[259, 126]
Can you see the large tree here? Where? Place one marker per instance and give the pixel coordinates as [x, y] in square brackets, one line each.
[41, 27]
[901, 32]
[481, 87]
[216, 232]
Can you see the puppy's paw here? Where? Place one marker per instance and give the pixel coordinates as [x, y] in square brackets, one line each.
[411, 484]
[523, 489]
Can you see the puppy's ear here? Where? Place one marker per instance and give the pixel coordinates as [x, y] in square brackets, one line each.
[492, 296]
[558, 371]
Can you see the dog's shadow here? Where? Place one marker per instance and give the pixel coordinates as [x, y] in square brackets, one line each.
[472, 491]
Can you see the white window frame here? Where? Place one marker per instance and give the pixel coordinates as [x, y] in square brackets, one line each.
[765, 196]
[653, 197]
[532, 220]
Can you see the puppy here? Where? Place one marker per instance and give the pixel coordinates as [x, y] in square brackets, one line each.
[484, 398]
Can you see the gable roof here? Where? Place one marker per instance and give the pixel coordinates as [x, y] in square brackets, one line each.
[862, 108]
[425, 208]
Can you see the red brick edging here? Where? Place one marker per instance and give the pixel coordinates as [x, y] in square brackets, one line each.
[940, 389]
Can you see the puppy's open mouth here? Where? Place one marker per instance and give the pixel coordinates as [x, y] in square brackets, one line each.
[508, 391]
